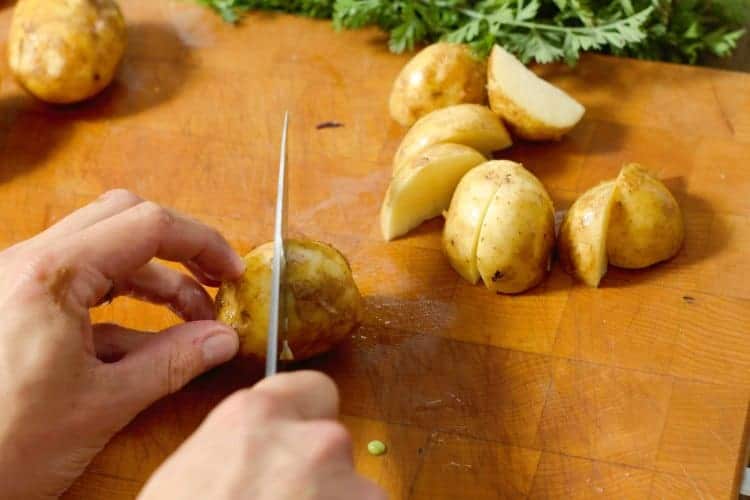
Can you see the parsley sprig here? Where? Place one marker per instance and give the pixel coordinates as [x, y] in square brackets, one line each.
[538, 30]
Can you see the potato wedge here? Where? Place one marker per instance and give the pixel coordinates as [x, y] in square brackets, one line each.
[422, 188]
[463, 221]
[582, 244]
[646, 224]
[322, 300]
[518, 231]
[468, 124]
[534, 108]
[440, 75]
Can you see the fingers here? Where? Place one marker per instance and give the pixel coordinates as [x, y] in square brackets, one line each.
[173, 357]
[127, 241]
[112, 342]
[159, 284]
[308, 395]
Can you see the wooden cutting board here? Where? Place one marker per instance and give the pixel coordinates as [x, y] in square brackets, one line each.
[637, 389]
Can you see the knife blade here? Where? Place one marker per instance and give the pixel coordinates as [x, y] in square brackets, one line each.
[277, 314]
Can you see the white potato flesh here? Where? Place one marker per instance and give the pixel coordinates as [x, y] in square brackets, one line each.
[472, 125]
[422, 188]
[518, 232]
[582, 245]
[463, 220]
[534, 108]
[440, 75]
[646, 224]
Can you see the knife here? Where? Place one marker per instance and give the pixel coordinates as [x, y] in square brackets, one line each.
[277, 318]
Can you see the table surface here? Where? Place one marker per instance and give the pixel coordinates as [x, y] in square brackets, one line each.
[637, 389]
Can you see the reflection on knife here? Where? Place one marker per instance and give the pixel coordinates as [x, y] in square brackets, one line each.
[277, 318]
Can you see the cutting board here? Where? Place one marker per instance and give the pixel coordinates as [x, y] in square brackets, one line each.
[637, 389]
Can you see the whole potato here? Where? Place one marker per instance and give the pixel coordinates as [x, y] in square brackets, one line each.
[645, 225]
[64, 51]
[472, 125]
[440, 75]
[322, 301]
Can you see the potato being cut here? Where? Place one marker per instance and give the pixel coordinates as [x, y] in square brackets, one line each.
[442, 74]
[534, 108]
[422, 188]
[322, 300]
[65, 51]
[468, 124]
[582, 245]
[646, 223]
[463, 221]
[518, 232]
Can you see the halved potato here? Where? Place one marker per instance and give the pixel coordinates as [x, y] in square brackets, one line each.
[646, 223]
[422, 188]
[463, 221]
[582, 245]
[322, 301]
[518, 232]
[534, 108]
[440, 75]
[468, 124]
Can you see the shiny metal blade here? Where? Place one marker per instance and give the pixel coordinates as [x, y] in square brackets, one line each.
[277, 314]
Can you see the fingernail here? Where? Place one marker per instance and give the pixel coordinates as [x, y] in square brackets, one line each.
[219, 348]
[239, 264]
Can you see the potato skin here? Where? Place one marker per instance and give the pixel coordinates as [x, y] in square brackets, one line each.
[323, 302]
[472, 125]
[518, 232]
[64, 51]
[582, 244]
[646, 224]
[440, 75]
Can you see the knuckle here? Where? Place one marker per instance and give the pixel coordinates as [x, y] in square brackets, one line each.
[122, 197]
[178, 369]
[156, 215]
[331, 439]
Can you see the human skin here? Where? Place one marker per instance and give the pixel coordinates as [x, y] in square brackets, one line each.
[68, 385]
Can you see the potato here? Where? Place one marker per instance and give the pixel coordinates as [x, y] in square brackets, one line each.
[534, 108]
[646, 223]
[582, 245]
[631, 222]
[322, 301]
[464, 218]
[442, 74]
[468, 124]
[65, 51]
[501, 227]
[422, 188]
[518, 232]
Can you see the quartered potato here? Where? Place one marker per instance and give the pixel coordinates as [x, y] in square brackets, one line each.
[534, 108]
[630, 222]
[518, 232]
[468, 124]
[65, 51]
[422, 188]
[442, 74]
[322, 301]
[500, 227]
[646, 223]
[582, 245]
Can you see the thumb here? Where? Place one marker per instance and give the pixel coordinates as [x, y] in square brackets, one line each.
[173, 357]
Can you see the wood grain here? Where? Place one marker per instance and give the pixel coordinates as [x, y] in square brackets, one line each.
[637, 389]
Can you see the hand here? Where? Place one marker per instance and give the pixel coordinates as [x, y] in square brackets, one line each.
[276, 441]
[68, 386]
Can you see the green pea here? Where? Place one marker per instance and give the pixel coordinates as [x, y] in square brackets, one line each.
[376, 447]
